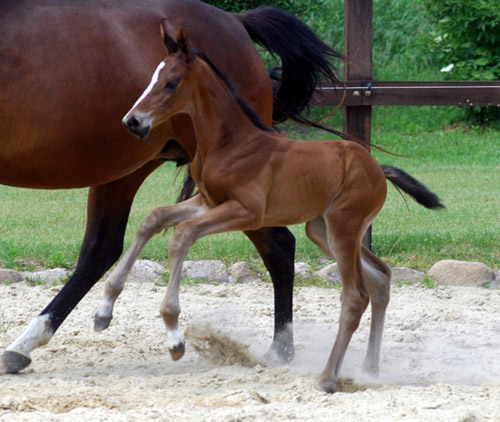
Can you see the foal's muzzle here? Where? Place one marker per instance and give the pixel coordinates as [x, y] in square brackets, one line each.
[137, 126]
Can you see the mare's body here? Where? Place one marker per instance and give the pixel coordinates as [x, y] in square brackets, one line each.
[69, 70]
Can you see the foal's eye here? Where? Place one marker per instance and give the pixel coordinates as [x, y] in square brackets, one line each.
[172, 84]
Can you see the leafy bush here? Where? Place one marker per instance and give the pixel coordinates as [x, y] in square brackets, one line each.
[467, 41]
[242, 5]
[400, 39]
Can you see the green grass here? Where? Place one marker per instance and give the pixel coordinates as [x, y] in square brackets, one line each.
[462, 166]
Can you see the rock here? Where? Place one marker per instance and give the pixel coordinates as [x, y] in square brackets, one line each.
[461, 273]
[146, 270]
[47, 276]
[244, 272]
[10, 276]
[496, 283]
[330, 274]
[205, 270]
[303, 270]
[407, 275]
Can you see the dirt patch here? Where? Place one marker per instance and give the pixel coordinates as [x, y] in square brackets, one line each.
[439, 358]
[219, 348]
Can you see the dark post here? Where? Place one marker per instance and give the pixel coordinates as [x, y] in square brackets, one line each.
[358, 49]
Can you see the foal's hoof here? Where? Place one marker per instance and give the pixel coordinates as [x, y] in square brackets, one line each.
[13, 362]
[177, 351]
[370, 369]
[101, 323]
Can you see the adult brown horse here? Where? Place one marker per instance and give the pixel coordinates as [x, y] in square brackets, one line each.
[250, 177]
[61, 110]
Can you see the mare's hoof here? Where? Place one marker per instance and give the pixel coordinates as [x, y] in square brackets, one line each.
[279, 354]
[101, 323]
[13, 362]
[177, 351]
[328, 386]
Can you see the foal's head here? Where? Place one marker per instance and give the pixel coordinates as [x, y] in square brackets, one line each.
[169, 90]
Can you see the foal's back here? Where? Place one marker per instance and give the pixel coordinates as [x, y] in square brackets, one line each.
[305, 178]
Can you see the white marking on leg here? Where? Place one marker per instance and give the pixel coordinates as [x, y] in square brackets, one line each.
[37, 334]
[105, 309]
[174, 338]
[116, 281]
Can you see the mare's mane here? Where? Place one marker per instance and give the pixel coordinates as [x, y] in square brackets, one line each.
[245, 107]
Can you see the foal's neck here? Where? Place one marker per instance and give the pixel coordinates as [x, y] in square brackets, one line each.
[218, 119]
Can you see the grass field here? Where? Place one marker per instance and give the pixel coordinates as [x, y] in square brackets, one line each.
[462, 166]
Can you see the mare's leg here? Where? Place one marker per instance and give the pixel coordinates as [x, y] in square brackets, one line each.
[276, 246]
[107, 212]
[229, 216]
[157, 220]
[377, 275]
[344, 238]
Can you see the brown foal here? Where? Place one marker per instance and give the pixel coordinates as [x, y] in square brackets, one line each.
[250, 177]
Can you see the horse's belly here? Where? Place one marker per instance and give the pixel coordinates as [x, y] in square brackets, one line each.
[46, 159]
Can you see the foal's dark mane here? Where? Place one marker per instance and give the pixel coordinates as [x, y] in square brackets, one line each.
[245, 107]
[189, 185]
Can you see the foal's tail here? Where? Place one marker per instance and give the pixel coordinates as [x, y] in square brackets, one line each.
[305, 59]
[411, 186]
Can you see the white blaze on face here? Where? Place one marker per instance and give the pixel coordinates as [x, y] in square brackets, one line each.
[154, 79]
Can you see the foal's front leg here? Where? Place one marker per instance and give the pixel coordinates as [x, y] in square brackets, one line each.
[159, 219]
[229, 216]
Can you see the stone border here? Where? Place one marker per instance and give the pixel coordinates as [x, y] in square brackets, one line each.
[446, 272]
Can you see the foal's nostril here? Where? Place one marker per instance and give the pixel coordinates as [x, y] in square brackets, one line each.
[133, 123]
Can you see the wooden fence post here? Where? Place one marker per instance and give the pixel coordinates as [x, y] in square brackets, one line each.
[358, 49]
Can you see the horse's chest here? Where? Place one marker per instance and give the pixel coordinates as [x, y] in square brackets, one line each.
[211, 187]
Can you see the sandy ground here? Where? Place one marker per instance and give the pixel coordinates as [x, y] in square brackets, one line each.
[440, 359]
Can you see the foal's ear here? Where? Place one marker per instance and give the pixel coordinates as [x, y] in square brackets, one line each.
[183, 43]
[168, 41]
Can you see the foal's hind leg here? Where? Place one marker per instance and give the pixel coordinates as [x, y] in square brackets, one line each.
[316, 231]
[377, 275]
[345, 240]
[159, 219]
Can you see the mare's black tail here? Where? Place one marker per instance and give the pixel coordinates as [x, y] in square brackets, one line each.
[305, 59]
[411, 186]
[188, 187]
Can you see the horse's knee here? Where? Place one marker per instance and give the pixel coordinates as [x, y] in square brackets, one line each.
[151, 224]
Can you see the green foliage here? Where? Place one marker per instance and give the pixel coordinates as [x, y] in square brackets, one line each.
[243, 5]
[400, 35]
[467, 36]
